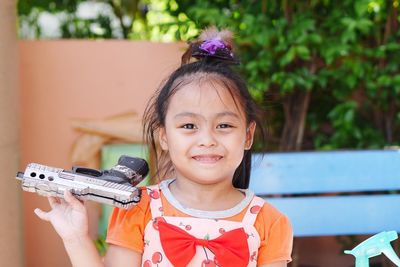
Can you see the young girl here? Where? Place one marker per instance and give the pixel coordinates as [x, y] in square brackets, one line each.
[204, 120]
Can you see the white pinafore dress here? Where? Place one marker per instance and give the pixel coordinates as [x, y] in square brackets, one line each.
[200, 241]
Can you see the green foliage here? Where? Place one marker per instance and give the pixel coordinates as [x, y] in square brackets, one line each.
[26, 6]
[30, 10]
[345, 53]
[124, 19]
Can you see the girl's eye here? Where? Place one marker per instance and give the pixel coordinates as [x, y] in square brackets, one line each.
[189, 126]
[224, 126]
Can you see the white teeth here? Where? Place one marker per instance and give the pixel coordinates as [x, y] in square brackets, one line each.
[207, 158]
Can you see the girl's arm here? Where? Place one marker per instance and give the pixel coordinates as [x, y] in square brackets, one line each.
[69, 218]
[82, 252]
[116, 256]
[275, 264]
[121, 257]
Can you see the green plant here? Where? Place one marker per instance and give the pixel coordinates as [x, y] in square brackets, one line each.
[340, 56]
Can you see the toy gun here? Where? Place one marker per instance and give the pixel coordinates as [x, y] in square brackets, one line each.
[374, 246]
[114, 187]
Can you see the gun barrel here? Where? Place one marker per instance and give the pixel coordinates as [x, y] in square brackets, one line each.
[20, 175]
[50, 181]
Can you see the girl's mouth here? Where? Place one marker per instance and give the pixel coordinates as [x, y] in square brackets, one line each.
[207, 158]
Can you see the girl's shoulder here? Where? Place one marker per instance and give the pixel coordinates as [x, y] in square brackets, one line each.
[270, 211]
[126, 226]
[270, 217]
[276, 235]
[144, 204]
[140, 210]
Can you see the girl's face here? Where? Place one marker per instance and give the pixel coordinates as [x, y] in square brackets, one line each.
[205, 133]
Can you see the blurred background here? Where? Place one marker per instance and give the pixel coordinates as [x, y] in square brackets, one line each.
[326, 73]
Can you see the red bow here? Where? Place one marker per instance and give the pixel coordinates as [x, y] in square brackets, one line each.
[230, 249]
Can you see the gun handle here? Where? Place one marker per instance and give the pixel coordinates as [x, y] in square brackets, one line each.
[362, 262]
[389, 252]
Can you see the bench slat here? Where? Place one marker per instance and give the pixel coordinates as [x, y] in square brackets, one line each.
[321, 172]
[341, 215]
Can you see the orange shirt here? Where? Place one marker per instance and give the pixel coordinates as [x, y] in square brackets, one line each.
[126, 228]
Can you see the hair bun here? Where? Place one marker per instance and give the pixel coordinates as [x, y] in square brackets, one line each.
[212, 45]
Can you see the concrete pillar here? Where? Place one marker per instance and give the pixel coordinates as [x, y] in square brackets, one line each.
[11, 252]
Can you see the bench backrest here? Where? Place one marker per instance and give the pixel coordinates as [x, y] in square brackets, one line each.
[332, 193]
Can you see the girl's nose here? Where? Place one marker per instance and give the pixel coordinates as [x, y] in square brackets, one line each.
[207, 138]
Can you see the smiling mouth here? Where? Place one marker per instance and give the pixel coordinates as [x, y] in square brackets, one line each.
[207, 158]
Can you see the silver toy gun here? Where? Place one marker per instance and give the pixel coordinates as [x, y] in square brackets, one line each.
[114, 187]
[374, 246]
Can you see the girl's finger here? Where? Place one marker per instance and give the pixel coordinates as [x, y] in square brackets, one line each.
[53, 201]
[73, 201]
[42, 215]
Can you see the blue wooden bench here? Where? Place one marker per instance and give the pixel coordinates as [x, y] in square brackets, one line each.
[332, 193]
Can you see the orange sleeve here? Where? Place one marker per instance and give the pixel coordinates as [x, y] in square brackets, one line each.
[126, 227]
[276, 236]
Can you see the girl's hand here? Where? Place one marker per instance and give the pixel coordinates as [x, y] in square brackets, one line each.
[68, 217]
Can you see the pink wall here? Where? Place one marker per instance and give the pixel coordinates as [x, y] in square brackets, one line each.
[61, 80]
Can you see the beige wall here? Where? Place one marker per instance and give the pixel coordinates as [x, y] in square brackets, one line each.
[61, 80]
[11, 253]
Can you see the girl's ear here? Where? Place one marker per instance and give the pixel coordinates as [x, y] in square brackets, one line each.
[162, 138]
[250, 135]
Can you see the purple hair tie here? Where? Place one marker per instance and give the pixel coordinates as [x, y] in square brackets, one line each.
[212, 45]
[214, 49]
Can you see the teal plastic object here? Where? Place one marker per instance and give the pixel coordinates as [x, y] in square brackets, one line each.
[375, 246]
